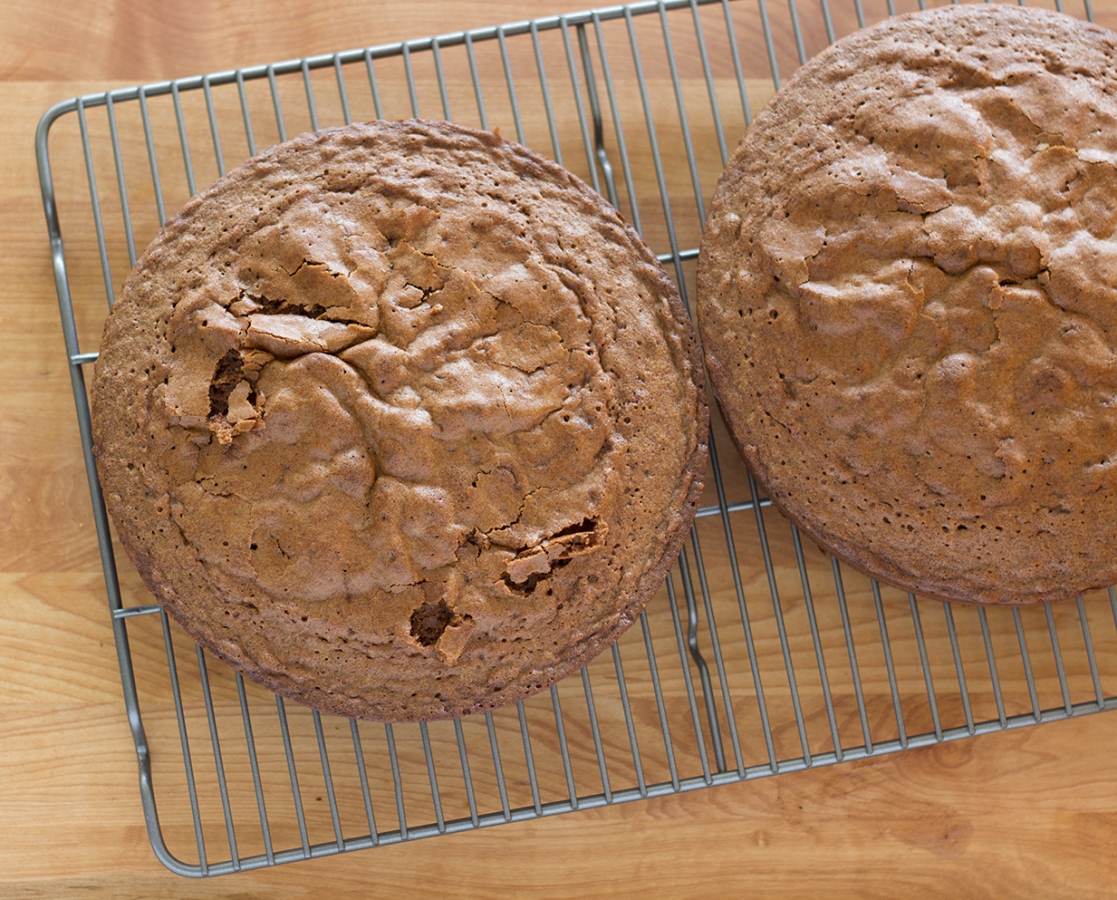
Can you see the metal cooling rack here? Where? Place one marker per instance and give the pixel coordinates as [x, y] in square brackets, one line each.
[760, 656]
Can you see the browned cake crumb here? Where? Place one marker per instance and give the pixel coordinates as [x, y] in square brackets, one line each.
[401, 420]
[908, 301]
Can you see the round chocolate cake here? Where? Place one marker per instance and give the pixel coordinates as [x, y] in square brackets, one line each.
[908, 302]
[401, 420]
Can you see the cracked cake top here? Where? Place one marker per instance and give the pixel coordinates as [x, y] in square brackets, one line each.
[400, 419]
[908, 302]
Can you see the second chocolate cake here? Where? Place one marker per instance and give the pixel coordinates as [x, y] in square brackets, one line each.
[908, 301]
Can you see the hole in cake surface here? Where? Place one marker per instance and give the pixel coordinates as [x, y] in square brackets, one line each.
[526, 586]
[532, 581]
[429, 621]
[586, 527]
[225, 377]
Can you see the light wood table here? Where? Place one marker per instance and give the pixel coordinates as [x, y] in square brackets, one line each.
[1030, 813]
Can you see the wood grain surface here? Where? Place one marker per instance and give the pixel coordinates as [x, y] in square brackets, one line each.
[1026, 813]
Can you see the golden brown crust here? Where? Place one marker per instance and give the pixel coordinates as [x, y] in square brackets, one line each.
[908, 302]
[401, 420]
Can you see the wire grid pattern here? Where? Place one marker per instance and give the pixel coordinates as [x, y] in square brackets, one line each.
[761, 655]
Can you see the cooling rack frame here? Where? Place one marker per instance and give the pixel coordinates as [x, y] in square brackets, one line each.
[794, 629]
